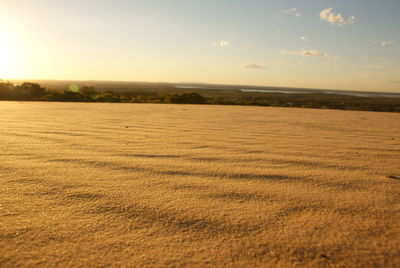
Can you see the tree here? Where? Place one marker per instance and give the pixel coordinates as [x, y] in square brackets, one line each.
[191, 98]
[88, 91]
[6, 90]
[29, 91]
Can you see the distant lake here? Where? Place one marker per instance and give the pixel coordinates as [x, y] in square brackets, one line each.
[273, 91]
[294, 91]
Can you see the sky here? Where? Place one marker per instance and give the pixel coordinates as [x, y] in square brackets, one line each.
[327, 44]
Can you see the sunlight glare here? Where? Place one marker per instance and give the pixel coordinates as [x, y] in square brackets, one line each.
[7, 58]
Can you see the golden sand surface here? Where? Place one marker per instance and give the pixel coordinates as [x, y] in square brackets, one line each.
[161, 185]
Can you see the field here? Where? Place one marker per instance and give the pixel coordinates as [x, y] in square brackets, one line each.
[97, 184]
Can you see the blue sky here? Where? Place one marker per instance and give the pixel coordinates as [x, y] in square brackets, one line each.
[350, 44]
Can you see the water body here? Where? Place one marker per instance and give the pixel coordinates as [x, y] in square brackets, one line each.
[273, 91]
[348, 93]
[364, 94]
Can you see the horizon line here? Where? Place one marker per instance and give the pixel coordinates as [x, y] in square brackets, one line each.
[199, 83]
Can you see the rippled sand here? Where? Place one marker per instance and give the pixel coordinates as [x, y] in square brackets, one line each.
[185, 185]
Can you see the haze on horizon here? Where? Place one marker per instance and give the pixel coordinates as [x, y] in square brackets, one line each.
[352, 45]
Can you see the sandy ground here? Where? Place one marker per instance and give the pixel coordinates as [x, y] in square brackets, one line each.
[138, 185]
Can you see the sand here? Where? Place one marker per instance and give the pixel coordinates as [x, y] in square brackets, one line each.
[150, 185]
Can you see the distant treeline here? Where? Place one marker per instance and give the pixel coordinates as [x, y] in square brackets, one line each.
[35, 92]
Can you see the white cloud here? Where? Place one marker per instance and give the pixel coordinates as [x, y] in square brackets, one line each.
[373, 58]
[253, 66]
[303, 38]
[221, 43]
[303, 52]
[335, 19]
[291, 11]
[307, 53]
[386, 43]
[351, 20]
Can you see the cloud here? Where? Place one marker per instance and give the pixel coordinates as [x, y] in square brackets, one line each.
[308, 53]
[327, 63]
[335, 19]
[374, 58]
[386, 43]
[280, 62]
[303, 52]
[253, 66]
[291, 11]
[303, 38]
[221, 43]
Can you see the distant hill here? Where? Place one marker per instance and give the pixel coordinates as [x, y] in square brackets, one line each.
[168, 88]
